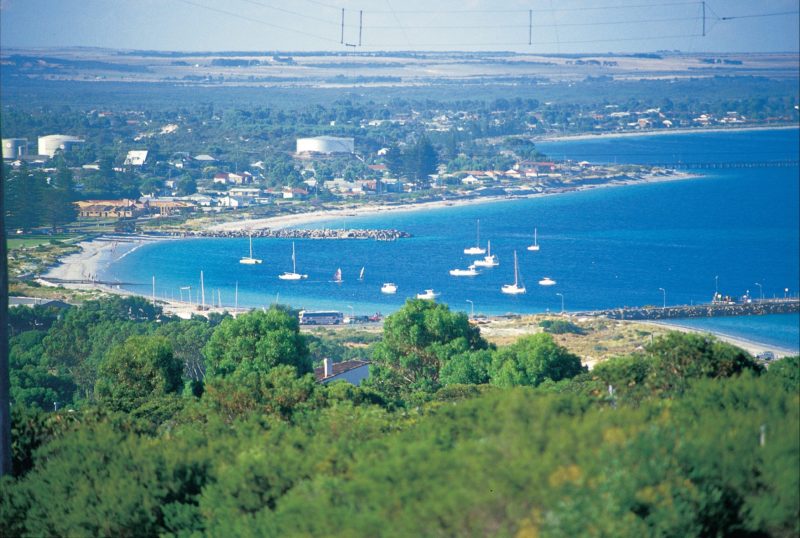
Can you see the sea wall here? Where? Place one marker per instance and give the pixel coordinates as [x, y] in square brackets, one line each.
[378, 235]
[756, 308]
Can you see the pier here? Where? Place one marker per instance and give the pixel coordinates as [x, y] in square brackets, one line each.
[709, 310]
[728, 164]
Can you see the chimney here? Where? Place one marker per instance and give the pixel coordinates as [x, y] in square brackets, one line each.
[327, 368]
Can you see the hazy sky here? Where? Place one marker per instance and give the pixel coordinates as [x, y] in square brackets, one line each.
[261, 25]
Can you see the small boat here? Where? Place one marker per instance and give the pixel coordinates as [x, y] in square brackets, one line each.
[471, 271]
[535, 245]
[337, 276]
[490, 260]
[428, 295]
[294, 275]
[250, 260]
[515, 288]
[477, 248]
[361, 274]
[389, 287]
[547, 281]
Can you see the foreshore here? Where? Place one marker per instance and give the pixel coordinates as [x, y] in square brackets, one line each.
[659, 132]
[302, 219]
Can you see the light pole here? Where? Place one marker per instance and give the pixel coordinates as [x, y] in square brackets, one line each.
[716, 288]
[352, 313]
[785, 292]
[664, 292]
[471, 309]
[562, 301]
[760, 291]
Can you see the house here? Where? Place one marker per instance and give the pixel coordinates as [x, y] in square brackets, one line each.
[200, 199]
[124, 208]
[291, 193]
[354, 371]
[170, 207]
[205, 158]
[470, 180]
[232, 202]
[244, 192]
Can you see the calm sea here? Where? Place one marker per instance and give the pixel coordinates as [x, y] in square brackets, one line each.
[738, 229]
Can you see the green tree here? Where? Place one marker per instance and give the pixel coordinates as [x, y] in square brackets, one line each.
[531, 360]
[256, 342]
[141, 368]
[58, 206]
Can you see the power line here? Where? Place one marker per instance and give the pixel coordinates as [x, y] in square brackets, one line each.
[259, 21]
[568, 9]
[290, 12]
[757, 15]
[518, 43]
[498, 27]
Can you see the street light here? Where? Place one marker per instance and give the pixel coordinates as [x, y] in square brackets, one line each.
[472, 309]
[716, 288]
[352, 313]
[562, 301]
[760, 291]
[664, 292]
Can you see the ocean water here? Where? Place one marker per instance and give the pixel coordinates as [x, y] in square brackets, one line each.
[778, 330]
[605, 247]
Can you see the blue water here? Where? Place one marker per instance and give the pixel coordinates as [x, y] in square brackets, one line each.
[779, 330]
[604, 247]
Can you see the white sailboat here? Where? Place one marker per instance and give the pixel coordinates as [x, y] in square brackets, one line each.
[535, 245]
[250, 260]
[471, 271]
[389, 288]
[515, 288]
[294, 275]
[490, 260]
[337, 276]
[477, 248]
[547, 281]
[428, 295]
[361, 274]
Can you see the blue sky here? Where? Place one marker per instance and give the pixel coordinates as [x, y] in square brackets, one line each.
[558, 26]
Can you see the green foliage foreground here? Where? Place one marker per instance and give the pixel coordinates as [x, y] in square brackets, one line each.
[692, 439]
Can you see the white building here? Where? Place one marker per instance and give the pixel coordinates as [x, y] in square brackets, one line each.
[326, 145]
[50, 144]
[14, 148]
[136, 157]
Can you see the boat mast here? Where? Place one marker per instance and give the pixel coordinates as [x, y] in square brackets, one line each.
[251, 245]
[236, 307]
[202, 292]
[516, 271]
[294, 263]
[478, 234]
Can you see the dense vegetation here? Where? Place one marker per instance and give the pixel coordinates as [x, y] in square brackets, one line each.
[214, 427]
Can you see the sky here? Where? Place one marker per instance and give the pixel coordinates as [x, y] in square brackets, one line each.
[537, 26]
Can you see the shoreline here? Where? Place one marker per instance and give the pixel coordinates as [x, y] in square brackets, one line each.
[659, 132]
[754, 347]
[298, 219]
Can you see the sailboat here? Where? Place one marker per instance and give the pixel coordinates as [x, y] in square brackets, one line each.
[477, 248]
[490, 260]
[361, 274]
[337, 276]
[250, 260]
[515, 288]
[294, 275]
[535, 245]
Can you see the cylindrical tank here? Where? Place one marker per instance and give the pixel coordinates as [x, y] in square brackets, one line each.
[48, 145]
[325, 144]
[13, 148]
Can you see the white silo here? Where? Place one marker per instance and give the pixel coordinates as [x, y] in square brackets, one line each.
[50, 144]
[14, 148]
[326, 145]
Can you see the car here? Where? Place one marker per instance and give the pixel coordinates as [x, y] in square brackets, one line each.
[766, 356]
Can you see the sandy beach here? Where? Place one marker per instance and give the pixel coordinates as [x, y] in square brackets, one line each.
[659, 132]
[751, 346]
[301, 219]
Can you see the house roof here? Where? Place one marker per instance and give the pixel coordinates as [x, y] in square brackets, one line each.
[338, 368]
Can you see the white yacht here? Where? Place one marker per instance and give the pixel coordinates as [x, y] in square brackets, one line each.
[516, 288]
[471, 271]
[429, 295]
[490, 260]
[477, 248]
[294, 275]
[337, 276]
[389, 287]
[535, 246]
[547, 281]
[250, 260]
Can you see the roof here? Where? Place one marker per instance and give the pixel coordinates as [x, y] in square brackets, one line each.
[339, 368]
[136, 157]
[204, 157]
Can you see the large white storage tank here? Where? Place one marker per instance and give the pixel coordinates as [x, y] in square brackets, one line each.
[326, 145]
[14, 148]
[48, 145]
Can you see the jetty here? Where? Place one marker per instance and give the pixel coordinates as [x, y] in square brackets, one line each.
[283, 233]
[708, 310]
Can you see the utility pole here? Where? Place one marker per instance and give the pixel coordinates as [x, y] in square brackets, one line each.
[5, 383]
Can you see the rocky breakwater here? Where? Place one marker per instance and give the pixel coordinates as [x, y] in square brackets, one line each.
[755, 308]
[283, 233]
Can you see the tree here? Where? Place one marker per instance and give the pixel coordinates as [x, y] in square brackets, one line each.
[256, 342]
[531, 360]
[417, 341]
[58, 208]
[395, 162]
[141, 368]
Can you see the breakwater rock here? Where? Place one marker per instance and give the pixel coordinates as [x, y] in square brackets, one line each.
[377, 235]
[755, 308]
